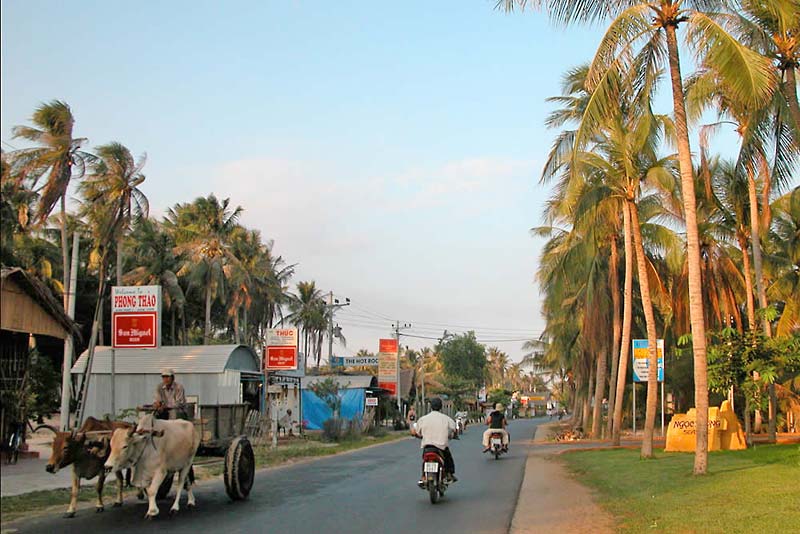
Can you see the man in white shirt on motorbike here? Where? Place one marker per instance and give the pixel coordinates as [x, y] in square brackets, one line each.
[435, 429]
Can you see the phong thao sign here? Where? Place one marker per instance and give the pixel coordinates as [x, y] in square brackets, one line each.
[136, 317]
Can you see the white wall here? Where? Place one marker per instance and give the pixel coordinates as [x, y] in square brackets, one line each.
[136, 390]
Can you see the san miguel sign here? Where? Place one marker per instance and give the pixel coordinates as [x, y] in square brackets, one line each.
[136, 317]
[281, 349]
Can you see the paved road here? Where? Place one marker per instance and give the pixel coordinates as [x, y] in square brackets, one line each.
[372, 490]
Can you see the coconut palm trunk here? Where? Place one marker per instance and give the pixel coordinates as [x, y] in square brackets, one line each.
[748, 283]
[755, 233]
[617, 331]
[207, 326]
[588, 396]
[696, 316]
[599, 388]
[650, 322]
[755, 236]
[627, 312]
[65, 251]
[119, 258]
[790, 93]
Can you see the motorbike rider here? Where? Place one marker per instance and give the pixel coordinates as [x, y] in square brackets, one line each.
[496, 421]
[435, 430]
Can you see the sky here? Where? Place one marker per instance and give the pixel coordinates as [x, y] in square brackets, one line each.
[391, 150]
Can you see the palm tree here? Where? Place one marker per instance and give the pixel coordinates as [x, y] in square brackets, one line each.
[114, 184]
[762, 131]
[772, 27]
[655, 23]
[786, 255]
[155, 263]
[202, 231]
[496, 369]
[307, 312]
[59, 158]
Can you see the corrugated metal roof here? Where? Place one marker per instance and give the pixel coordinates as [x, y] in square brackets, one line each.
[183, 359]
[344, 381]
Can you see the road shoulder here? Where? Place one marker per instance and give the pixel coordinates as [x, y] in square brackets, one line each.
[551, 500]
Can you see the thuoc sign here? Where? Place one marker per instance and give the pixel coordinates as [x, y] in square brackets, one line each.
[387, 365]
[136, 317]
[281, 349]
[641, 360]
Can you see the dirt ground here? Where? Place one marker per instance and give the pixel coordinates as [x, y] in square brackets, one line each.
[551, 500]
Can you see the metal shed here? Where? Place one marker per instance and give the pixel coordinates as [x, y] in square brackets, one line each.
[215, 374]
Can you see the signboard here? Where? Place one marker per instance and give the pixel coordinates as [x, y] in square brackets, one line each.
[371, 401]
[360, 360]
[277, 379]
[281, 349]
[387, 365]
[387, 345]
[641, 363]
[136, 317]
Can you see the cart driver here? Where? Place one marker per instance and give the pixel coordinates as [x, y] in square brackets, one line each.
[170, 398]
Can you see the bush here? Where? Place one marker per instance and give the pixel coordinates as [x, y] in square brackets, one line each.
[332, 429]
[337, 429]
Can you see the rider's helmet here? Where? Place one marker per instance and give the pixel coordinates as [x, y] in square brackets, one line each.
[499, 407]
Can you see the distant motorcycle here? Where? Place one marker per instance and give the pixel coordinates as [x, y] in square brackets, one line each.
[461, 423]
[496, 445]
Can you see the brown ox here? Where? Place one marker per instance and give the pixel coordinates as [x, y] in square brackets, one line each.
[87, 455]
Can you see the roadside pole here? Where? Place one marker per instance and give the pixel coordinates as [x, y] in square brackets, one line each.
[662, 408]
[66, 376]
[332, 305]
[397, 370]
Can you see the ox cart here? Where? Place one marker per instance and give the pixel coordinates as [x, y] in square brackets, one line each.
[222, 429]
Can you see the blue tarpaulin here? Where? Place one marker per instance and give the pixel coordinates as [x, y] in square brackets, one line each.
[316, 412]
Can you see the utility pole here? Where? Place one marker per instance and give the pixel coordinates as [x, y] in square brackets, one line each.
[397, 327]
[332, 305]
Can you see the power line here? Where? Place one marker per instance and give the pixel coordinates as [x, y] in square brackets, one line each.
[498, 331]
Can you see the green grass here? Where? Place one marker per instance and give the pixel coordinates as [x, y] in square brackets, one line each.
[12, 508]
[755, 490]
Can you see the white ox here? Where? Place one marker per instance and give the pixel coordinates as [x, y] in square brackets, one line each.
[155, 448]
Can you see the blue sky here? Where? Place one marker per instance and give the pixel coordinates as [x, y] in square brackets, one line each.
[392, 150]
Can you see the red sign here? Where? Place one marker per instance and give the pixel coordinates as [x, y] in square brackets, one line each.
[280, 358]
[135, 330]
[387, 345]
[391, 386]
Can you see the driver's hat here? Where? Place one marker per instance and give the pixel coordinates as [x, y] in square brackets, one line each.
[167, 372]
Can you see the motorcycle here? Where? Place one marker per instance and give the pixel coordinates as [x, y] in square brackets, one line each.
[461, 425]
[434, 474]
[496, 445]
[434, 479]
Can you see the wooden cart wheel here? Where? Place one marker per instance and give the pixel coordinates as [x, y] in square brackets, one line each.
[240, 467]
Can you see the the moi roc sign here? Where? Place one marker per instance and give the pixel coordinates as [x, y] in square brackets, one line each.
[136, 317]
[641, 362]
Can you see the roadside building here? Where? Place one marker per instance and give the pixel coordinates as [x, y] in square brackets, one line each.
[29, 316]
[214, 374]
[352, 392]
